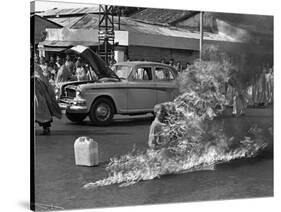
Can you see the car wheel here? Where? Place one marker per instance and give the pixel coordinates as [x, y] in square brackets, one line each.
[102, 111]
[75, 117]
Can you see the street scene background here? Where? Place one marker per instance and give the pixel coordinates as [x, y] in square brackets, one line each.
[169, 37]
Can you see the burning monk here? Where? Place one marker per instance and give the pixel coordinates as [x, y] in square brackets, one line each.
[45, 103]
[156, 139]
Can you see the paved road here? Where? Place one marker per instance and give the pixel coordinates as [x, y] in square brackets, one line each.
[58, 181]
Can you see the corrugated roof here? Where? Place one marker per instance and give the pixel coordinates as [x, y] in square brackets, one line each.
[253, 23]
[66, 21]
[33, 16]
[90, 21]
[70, 11]
[132, 25]
[165, 16]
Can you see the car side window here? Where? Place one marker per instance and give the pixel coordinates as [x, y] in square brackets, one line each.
[143, 74]
[163, 74]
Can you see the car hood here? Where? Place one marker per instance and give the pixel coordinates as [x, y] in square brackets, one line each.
[98, 65]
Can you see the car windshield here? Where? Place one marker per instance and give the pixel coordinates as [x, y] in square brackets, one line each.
[122, 71]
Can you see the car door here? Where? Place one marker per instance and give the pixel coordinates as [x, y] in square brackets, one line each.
[165, 83]
[141, 89]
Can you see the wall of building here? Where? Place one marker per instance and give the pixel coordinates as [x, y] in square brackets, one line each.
[162, 41]
[156, 54]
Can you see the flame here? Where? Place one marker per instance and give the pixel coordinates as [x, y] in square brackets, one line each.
[132, 168]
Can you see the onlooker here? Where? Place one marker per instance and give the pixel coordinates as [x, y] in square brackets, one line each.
[43, 66]
[53, 65]
[254, 89]
[162, 61]
[63, 74]
[171, 62]
[45, 103]
[52, 61]
[261, 89]
[271, 85]
[52, 80]
[267, 86]
[59, 62]
[81, 72]
[178, 66]
[238, 95]
[69, 64]
[78, 62]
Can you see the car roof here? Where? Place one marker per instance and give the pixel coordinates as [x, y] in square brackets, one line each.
[134, 63]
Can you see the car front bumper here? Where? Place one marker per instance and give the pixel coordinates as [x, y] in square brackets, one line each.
[71, 107]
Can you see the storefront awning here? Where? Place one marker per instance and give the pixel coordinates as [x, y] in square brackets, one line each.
[67, 44]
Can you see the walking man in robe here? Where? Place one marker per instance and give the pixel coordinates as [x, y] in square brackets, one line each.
[45, 104]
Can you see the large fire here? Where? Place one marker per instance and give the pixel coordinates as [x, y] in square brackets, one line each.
[192, 144]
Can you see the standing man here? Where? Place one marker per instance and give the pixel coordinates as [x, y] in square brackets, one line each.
[43, 65]
[59, 62]
[63, 74]
[45, 103]
[81, 72]
[69, 64]
[178, 67]
[53, 65]
[239, 97]
[261, 88]
[171, 62]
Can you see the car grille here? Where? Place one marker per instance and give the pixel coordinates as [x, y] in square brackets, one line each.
[70, 93]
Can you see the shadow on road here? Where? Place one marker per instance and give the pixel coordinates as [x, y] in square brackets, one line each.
[82, 132]
[120, 122]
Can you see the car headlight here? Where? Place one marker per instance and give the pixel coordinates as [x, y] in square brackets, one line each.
[78, 93]
[57, 93]
[78, 100]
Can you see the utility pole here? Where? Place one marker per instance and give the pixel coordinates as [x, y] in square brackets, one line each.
[106, 33]
[201, 35]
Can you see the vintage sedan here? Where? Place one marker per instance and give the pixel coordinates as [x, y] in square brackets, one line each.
[129, 88]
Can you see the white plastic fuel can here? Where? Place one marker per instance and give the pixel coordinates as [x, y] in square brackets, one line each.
[86, 151]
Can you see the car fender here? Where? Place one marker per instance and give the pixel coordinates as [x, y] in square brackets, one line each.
[92, 97]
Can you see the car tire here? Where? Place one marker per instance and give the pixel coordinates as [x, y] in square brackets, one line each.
[76, 117]
[102, 112]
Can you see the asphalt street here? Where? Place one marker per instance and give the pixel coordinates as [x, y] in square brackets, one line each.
[58, 181]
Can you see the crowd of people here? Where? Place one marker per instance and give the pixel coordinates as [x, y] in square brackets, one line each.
[177, 65]
[58, 69]
[262, 88]
[258, 93]
[47, 74]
